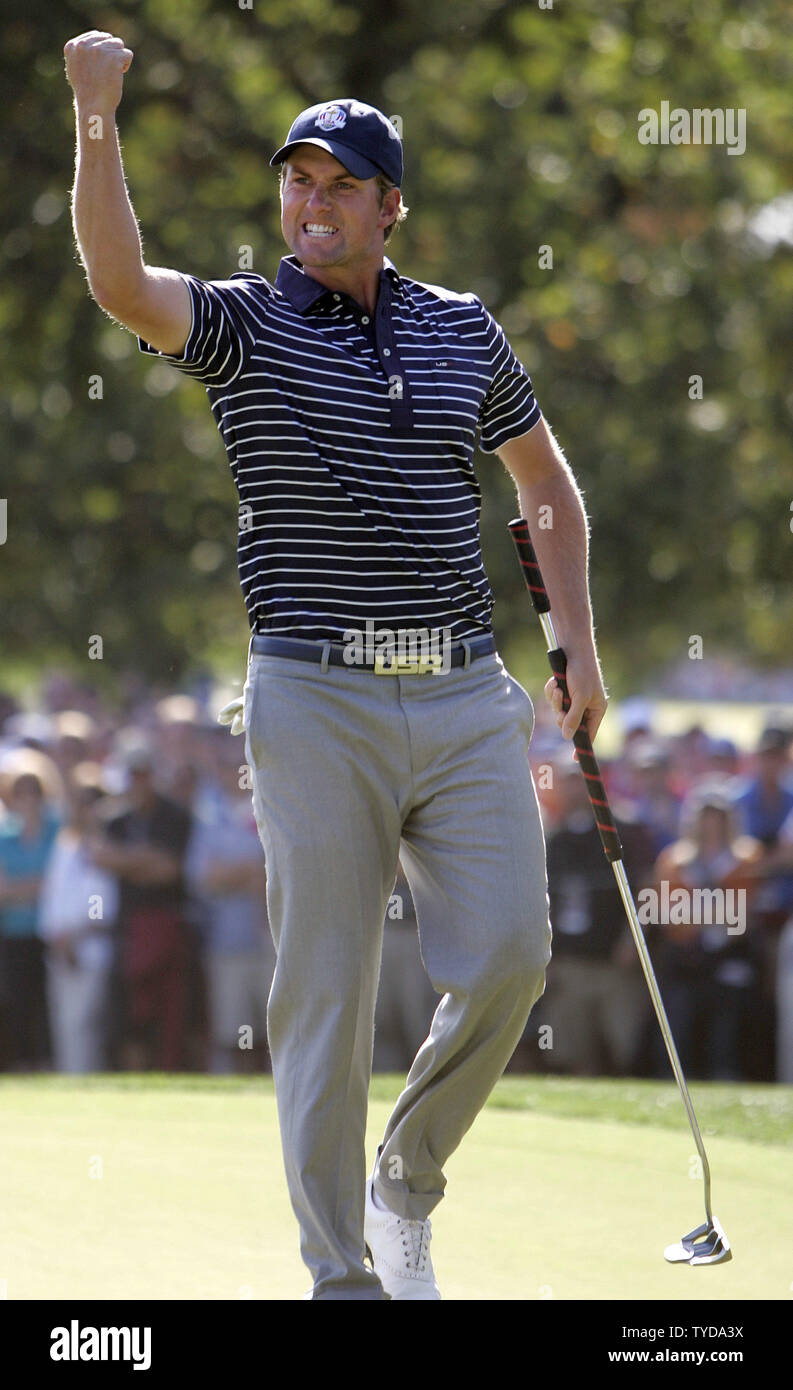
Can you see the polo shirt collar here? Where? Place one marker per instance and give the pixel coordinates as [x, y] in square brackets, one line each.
[303, 292]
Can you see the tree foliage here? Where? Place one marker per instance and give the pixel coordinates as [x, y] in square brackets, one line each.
[670, 262]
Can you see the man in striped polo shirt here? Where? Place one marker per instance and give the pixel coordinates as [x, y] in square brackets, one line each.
[380, 720]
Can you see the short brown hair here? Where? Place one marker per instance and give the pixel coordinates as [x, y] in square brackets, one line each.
[383, 186]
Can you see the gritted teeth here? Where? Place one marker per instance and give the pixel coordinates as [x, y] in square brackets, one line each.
[320, 228]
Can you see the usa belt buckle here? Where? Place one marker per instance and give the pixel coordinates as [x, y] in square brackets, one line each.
[405, 665]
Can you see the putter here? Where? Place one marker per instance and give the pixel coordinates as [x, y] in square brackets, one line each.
[707, 1245]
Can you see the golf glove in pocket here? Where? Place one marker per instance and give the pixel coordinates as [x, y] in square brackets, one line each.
[233, 714]
[236, 712]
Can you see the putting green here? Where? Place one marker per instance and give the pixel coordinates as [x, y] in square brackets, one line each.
[173, 1188]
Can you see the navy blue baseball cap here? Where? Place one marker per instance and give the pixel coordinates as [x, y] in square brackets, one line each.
[359, 136]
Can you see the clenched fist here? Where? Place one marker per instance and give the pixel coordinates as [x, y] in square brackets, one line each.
[95, 67]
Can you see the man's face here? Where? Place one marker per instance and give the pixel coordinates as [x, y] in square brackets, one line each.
[84, 808]
[572, 792]
[713, 824]
[26, 797]
[329, 218]
[652, 779]
[140, 786]
[772, 764]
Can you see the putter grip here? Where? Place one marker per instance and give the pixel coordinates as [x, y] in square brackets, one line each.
[528, 562]
[604, 820]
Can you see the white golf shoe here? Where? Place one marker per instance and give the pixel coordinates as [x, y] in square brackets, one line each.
[400, 1252]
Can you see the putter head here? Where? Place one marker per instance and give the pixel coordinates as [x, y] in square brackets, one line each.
[707, 1245]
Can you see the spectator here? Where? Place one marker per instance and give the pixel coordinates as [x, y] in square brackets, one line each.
[144, 847]
[596, 999]
[706, 972]
[9, 706]
[225, 868]
[762, 808]
[26, 840]
[723, 759]
[406, 999]
[77, 912]
[29, 729]
[784, 1006]
[780, 948]
[691, 756]
[656, 803]
[178, 740]
[636, 720]
[75, 734]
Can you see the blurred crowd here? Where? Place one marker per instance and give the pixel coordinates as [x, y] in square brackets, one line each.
[133, 900]
[707, 835]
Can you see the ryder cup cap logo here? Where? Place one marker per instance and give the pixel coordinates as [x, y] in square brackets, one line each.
[332, 118]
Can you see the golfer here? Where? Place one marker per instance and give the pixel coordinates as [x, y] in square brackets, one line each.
[379, 717]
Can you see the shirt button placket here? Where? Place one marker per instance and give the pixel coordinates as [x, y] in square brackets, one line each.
[400, 411]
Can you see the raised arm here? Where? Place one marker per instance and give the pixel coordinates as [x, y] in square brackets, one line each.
[152, 302]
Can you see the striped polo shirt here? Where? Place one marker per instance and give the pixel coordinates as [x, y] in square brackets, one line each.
[351, 442]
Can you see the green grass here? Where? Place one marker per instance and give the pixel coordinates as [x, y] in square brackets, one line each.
[762, 1114]
[563, 1188]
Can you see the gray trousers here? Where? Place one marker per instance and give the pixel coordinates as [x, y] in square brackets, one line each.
[349, 770]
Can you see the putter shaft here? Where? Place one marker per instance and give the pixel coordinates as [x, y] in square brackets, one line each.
[606, 826]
